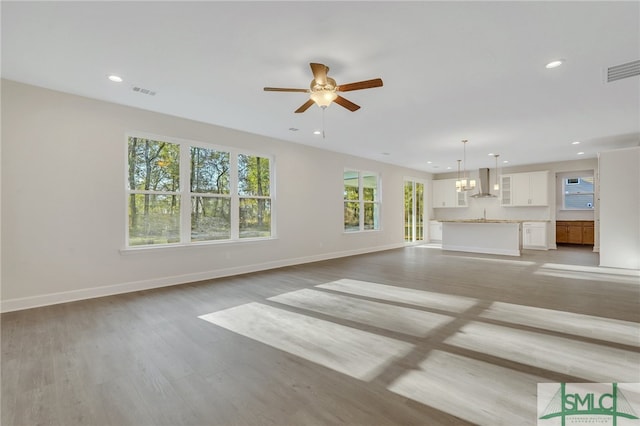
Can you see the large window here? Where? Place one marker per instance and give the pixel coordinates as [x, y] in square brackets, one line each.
[228, 196]
[361, 201]
[578, 193]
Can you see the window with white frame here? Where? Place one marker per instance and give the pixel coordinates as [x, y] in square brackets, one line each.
[228, 195]
[361, 201]
[578, 193]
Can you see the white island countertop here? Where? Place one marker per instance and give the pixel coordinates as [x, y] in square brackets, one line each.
[492, 236]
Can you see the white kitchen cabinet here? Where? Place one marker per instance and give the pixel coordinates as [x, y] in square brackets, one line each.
[525, 189]
[444, 194]
[435, 230]
[534, 235]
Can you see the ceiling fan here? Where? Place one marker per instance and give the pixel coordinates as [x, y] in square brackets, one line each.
[324, 90]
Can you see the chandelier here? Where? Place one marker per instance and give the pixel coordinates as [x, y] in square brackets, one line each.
[463, 183]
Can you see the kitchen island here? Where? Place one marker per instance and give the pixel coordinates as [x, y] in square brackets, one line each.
[482, 236]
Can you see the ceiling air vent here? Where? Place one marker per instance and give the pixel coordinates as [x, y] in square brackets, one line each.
[623, 71]
[144, 91]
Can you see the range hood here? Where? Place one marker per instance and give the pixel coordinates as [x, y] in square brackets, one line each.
[485, 185]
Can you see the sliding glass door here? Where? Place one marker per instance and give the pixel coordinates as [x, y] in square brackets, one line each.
[413, 211]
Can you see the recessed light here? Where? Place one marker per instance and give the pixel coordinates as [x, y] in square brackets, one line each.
[115, 78]
[505, 161]
[490, 154]
[554, 64]
[448, 168]
[317, 132]
[575, 143]
[581, 153]
[429, 162]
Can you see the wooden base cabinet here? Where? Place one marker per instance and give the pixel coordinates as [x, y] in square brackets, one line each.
[575, 232]
[588, 233]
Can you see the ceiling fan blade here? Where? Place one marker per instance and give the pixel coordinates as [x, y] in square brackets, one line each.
[305, 106]
[367, 84]
[319, 73]
[280, 89]
[346, 103]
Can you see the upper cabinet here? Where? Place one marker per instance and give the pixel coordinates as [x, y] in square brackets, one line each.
[445, 194]
[525, 189]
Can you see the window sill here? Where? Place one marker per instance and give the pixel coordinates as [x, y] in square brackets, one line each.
[360, 232]
[199, 245]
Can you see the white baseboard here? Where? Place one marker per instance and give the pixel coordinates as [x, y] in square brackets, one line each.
[505, 252]
[18, 304]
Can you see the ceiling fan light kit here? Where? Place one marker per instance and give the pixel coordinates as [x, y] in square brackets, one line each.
[323, 98]
[324, 90]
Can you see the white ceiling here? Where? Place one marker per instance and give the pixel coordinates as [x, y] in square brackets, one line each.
[451, 71]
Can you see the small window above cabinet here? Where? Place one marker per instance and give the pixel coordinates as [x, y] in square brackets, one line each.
[525, 189]
[444, 194]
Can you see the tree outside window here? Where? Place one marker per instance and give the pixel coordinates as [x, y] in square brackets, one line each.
[210, 195]
[361, 201]
[254, 181]
[154, 197]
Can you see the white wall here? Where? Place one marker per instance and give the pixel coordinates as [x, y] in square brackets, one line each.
[64, 206]
[619, 183]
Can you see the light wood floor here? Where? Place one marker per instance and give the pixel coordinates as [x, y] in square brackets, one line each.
[462, 349]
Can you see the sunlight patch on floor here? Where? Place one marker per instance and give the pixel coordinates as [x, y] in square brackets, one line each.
[593, 269]
[408, 296]
[476, 391]
[430, 246]
[588, 361]
[353, 352]
[389, 317]
[611, 330]
[592, 273]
